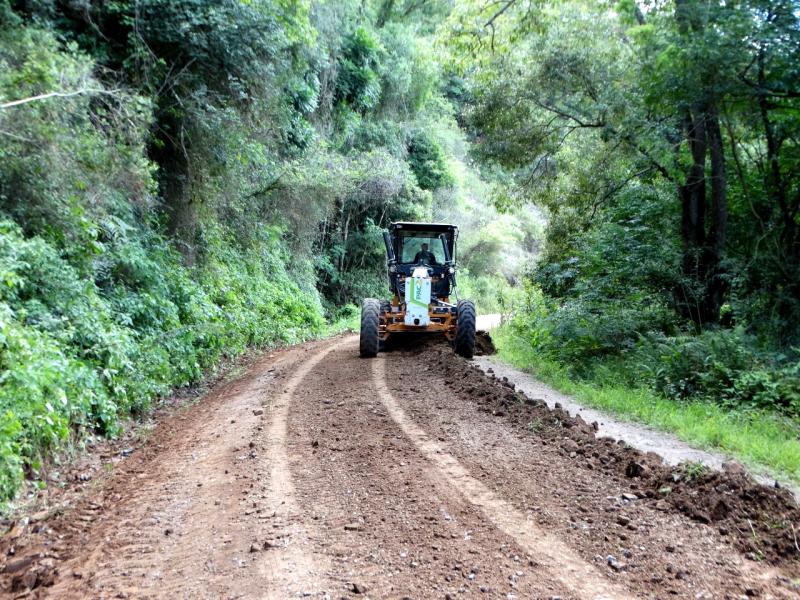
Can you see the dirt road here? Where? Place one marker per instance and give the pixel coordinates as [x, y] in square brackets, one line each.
[413, 475]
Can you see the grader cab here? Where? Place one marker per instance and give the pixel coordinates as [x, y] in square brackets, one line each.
[422, 277]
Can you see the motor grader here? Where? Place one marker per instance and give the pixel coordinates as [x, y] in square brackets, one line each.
[421, 264]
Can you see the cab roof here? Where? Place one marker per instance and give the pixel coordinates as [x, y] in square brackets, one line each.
[406, 225]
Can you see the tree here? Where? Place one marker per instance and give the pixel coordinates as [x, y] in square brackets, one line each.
[677, 94]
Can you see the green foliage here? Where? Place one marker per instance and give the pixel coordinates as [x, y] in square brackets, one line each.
[672, 251]
[347, 318]
[370, 190]
[492, 294]
[100, 315]
[79, 357]
[358, 82]
[184, 179]
[61, 156]
[427, 162]
[667, 103]
[721, 366]
[691, 470]
[601, 293]
[42, 392]
[631, 344]
[410, 73]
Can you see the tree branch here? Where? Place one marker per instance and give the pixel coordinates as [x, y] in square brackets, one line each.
[580, 121]
[22, 101]
[611, 192]
[499, 13]
[17, 137]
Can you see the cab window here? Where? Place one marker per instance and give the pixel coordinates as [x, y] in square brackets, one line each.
[412, 244]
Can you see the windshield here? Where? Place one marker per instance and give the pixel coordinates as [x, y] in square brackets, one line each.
[421, 247]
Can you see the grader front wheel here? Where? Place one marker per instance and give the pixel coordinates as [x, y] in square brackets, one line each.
[369, 343]
[466, 324]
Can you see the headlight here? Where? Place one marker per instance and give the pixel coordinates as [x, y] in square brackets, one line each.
[451, 270]
[392, 269]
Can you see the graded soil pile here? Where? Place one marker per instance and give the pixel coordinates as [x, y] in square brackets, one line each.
[484, 346]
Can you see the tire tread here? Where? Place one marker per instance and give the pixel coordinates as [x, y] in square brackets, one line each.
[369, 342]
[466, 325]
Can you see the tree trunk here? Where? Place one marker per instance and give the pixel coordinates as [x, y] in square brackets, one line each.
[788, 258]
[716, 283]
[703, 228]
[174, 179]
[692, 194]
[776, 184]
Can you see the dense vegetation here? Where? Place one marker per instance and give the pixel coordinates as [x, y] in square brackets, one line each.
[663, 140]
[183, 179]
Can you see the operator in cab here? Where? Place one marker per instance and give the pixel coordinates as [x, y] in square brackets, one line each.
[424, 256]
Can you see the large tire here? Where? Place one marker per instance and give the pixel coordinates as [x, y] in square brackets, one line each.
[464, 343]
[369, 342]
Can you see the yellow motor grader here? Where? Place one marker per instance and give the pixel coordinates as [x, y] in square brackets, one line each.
[422, 276]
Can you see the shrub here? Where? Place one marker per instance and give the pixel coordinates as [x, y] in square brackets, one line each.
[427, 161]
[358, 82]
[79, 355]
[491, 293]
[687, 366]
[43, 392]
[579, 333]
[639, 345]
[722, 366]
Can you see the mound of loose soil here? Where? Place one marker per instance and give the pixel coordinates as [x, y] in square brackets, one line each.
[484, 346]
[761, 521]
[415, 342]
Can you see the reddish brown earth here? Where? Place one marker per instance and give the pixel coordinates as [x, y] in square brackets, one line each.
[319, 474]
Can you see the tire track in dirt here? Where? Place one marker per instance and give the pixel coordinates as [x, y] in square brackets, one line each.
[582, 495]
[185, 516]
[287, 568]
[386, 525]
[319, 474]
[561, 562]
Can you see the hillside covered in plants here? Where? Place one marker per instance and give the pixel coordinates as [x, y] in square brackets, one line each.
[181, 180]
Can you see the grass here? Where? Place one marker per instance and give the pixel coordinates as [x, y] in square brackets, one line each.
[766, 442]
[348, 322]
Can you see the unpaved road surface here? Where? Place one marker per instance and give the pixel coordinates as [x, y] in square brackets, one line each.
[412, 475]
